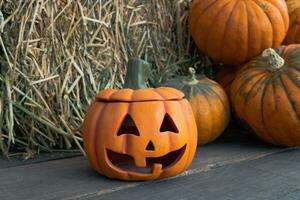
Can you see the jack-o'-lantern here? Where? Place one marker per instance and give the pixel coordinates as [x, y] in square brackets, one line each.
[139, 133]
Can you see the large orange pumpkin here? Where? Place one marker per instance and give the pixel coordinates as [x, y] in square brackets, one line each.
[265, 94]
[139, 133]
[293, 35]
[234, 31]
[209, 103]
[225, 77]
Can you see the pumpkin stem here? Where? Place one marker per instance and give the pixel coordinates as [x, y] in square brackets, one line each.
[274, 59]
[137, 70]
[192, 76]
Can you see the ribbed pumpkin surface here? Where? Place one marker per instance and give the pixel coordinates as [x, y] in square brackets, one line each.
[293, 35]
[209, 103]
[234, 31]
[268, 99]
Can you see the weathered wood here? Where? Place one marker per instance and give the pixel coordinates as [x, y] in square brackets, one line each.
[273, 177]
[18, 160]
[234, 164]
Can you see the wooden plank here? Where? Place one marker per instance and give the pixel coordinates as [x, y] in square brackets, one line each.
[273, 177]
[18, 159]
[73, 178]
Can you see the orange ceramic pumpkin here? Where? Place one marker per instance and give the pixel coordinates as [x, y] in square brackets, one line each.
[293, 35]
[265, 94]
[235, 31]
[209, 103]
[139, 133]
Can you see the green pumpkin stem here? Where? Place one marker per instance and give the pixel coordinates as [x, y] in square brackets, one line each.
[137, 70]
[275, 61]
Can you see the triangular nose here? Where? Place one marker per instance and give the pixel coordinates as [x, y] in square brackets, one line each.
[150, 146]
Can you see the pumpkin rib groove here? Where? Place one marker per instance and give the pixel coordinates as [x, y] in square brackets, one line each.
[95, 136]
[206, 8]
[245, 70]
[274, 89]
[274, 95]
[295, 64]
[296, 68]
[259, 81]
[274, 99]
[291, 78]
[227, 24]
[286, 25]
[245, 82]
[200, 90]
[218, 96]
[292, 36]
[268, 82]
[294, 61]
[290, 101]
[260, 32]
[271, 24]
[206, 93]
[291, 51]
[213, 84]
[212, 24]
[248, 31]
[210, 6]
[226, 113]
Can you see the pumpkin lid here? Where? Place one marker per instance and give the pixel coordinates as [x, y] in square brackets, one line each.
[148, 94]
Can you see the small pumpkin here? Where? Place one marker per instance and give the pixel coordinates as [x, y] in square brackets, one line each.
[209, 103]
[265, 95]
[293, 35]
[234, 31]
[139, 133]
[225, 77]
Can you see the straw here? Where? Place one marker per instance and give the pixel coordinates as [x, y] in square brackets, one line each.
[56, 55]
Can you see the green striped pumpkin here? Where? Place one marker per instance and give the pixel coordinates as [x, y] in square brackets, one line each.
[209, 103]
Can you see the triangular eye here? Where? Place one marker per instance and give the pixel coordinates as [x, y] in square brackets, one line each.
[128, 127]
[168, 125]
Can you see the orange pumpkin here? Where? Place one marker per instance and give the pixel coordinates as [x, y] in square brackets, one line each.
[209, 103]
[225, 77]
[293, 35]
[265, 94]
[139, 133]
[235, 31]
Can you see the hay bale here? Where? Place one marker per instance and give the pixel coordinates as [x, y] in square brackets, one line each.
[55, 55]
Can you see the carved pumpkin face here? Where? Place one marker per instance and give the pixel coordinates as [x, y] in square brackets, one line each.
[140, 134]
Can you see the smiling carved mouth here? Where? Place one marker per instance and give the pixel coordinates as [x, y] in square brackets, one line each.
[126, 162]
